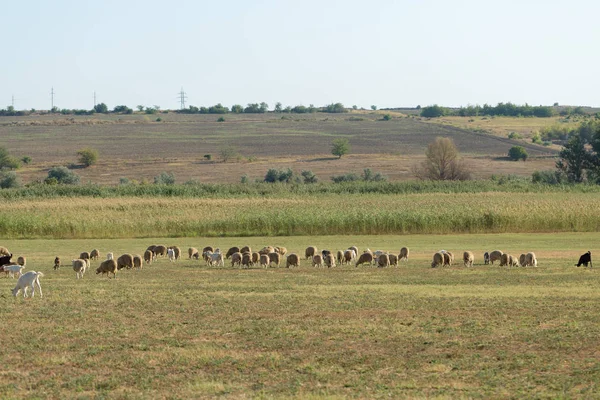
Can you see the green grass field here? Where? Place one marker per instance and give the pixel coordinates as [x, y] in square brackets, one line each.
[183, 330]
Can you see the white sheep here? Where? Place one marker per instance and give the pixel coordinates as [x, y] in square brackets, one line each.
[29, 279]
[79, 266]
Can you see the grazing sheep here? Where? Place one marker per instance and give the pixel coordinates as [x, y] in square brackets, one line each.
[208, 248]
[236, 259]
[255, 257]
[148, 256]
[264, 260]
[310, 252]
[108, 266]
[383, 260]
[274, 258]
[94, 254]
[404, 252]
[79, 266]
[266, 250]
[366, 257]
[125, 261]
[232, 250]
[448, 258]
[246, 260]
[530, 259]
[325, 253]
[505, 260]
[317, 260]
[151, 247]
[329, 260]
[495, 255]
[393, 260]
[191, 252]
[137, 262]
[339, 256]
[160, 251]
[29, 279]
[84, 256]
[171, 255]
[4, 251]
[216, 259]
[10, 270]
[246, 249]
[513, 261]
[110, 256]
[281, 250]
[21, 260]
[56, 263]
[349, 256]
[522, 260]
[438, 260]
[486, 258]
[468, 258]
[377, 253]
[177, 252]
[354, 248]
[585, 259]
[292, 260]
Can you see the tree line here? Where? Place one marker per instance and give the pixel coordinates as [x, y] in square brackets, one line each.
[501, 109]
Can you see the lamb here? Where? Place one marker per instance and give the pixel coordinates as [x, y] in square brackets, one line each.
[192, 251]
[231, 251]
[246, 249]
[310, 252]
[171, 255]
[21, 260]
[125, 261]
[107, 267]
[216, 259]
[246, 260]
[281, 250]
[137, 262]
[486, 258]
[79, 266]
[148, 255]
[236, 258]
[292, 260]
[364, 258]
[56, 263]
[404, 252]
[264, 260]
[438, 260]
[468, 258]
[4, 251]
[329, 260]
[10, 270]
[495, 255]
[94, 254]
[84, 256]
[530, 259]
[274, 258]
[585, 259]
[177, 252]
[317, 260]
[393, 260]
[160, 251]
[255, 257]
[383, 260]
[110, 256]
[29, 279]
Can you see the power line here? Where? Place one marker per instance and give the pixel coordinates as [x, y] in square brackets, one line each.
[182, 98]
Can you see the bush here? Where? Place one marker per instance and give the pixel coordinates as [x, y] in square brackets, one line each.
[517, 152]
[433, 111]
[443, 163]
[549, 177]
[6, 161]
[370, 176]
[340, 147]
[88, 156]
[26, 160]
[273, 175]
[245, 179]
[228, 152]
[387, 117]
[165, 178]
[9, 180]
[221, 119]
[514, 135]
[124, 181]
[309, 177]
[62, 175]
[351, 177]
[208, 157]
[536, 138]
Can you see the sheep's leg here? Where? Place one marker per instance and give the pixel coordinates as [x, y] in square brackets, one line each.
[37, 280]
[32, 289]
[25, 292]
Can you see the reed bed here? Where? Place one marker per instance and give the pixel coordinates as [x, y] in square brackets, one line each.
[348, 214]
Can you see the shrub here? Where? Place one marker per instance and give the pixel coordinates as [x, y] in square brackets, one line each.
[208, 157]
[63, 176]
[26, 160]
[514, 135]
[351, 177]
[370, 176]
[9, 180]
[6, 161]
[517, 152]
[228, 152]
[340, 147]
[443, 163]
[549, 177]
[245, 179]
[124, 181]
[273, 175]
[309, 177]
[88, 156]
[221, 119]
[433, 111]
[536, 138]
[387, 117]
[165, 178]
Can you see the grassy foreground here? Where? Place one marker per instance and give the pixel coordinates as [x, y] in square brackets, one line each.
[186, 331]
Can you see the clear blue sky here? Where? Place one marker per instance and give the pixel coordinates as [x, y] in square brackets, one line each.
[382, 52]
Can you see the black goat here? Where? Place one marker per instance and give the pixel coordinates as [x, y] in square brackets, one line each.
[5, 260]
[585, 259]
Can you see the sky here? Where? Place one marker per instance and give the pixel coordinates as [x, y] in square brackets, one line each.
[386, 53]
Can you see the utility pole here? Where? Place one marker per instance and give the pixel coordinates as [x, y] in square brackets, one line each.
[13, 101]
[182, 98]
[52, 97]
[94, 99]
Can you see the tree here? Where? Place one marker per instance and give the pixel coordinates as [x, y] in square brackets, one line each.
[88, 156]
[278, 107]
[574, 159]
[122, 109]
[9, 179]
[7, 161]
[63, 176]
[228, 152]
[165, 178]
[335, 108]
[237, 109]
[340, 147]
[309, 176]
[433, 111]
[517, 152]
[443, 162]
[274, 175]
[140, 107]
[374, 107]
[101, 108]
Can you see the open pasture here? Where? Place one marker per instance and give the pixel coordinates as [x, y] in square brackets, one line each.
[183, 330]
[138, 147]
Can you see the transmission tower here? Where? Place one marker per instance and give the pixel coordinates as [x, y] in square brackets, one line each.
[52, 98]
[94, 99]
[182, 98]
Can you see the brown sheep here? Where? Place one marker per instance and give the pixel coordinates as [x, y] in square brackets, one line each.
[404, 254]
[246, 260]
[317, 260]
[504, 259]
[264, 260]
[21, 260]
[292, 260]
[177, 252]
[448, 258]
[274, 258]
[354, 248]
[468, 258]
[151, 248]
[383, 260]
[56, 263]
[438, 260]
[281, 250]
[530, 259]
[94, 254]
[255, 257]
[84, 256]
[246, 249]
[160, 251]
[191, 252]
[393, 260]
[495, 255]
[236, 259]
[310, 252]
[125, 261]
[266, 250]
[349, 256]
[137, 262]
[107, 267]
[339, 256]
[329, 260]
[208, 248]
[4, 251]
[522, 259]
[232, 250]
[148, 256]
[364, 258]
